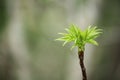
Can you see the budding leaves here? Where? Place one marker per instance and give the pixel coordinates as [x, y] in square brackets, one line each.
[80, 38]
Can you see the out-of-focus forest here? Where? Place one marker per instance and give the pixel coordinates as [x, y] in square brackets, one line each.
[28, 29]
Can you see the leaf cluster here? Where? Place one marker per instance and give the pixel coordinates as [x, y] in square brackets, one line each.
[79, 37]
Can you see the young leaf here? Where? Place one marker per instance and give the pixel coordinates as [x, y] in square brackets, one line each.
[93, 42]
[80, 38]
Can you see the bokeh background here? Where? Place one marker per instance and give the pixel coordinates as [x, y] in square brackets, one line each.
[28, 29]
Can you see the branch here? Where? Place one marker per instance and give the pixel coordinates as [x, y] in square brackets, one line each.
[81, 58]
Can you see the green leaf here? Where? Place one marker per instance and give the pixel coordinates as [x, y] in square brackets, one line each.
[80, 38]
[93, 42]
[73, 47]
[65, 43]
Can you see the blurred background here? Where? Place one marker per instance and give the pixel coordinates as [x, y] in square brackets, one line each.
[28, 29]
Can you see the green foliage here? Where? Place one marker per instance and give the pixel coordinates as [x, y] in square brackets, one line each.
[80, 38]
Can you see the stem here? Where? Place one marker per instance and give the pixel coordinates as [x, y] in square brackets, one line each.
[81, 57]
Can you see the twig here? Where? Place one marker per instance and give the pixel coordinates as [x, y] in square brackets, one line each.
[81, 58]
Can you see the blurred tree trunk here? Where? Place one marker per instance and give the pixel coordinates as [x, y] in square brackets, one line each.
[14, 58]
[16, 39]
[6, 59]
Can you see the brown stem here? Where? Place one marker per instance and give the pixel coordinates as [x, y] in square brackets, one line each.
[81, 57]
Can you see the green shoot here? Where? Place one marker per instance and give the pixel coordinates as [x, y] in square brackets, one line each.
[79, 37]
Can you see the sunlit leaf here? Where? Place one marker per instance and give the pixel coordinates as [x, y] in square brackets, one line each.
[93, 42]
[80, 38]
